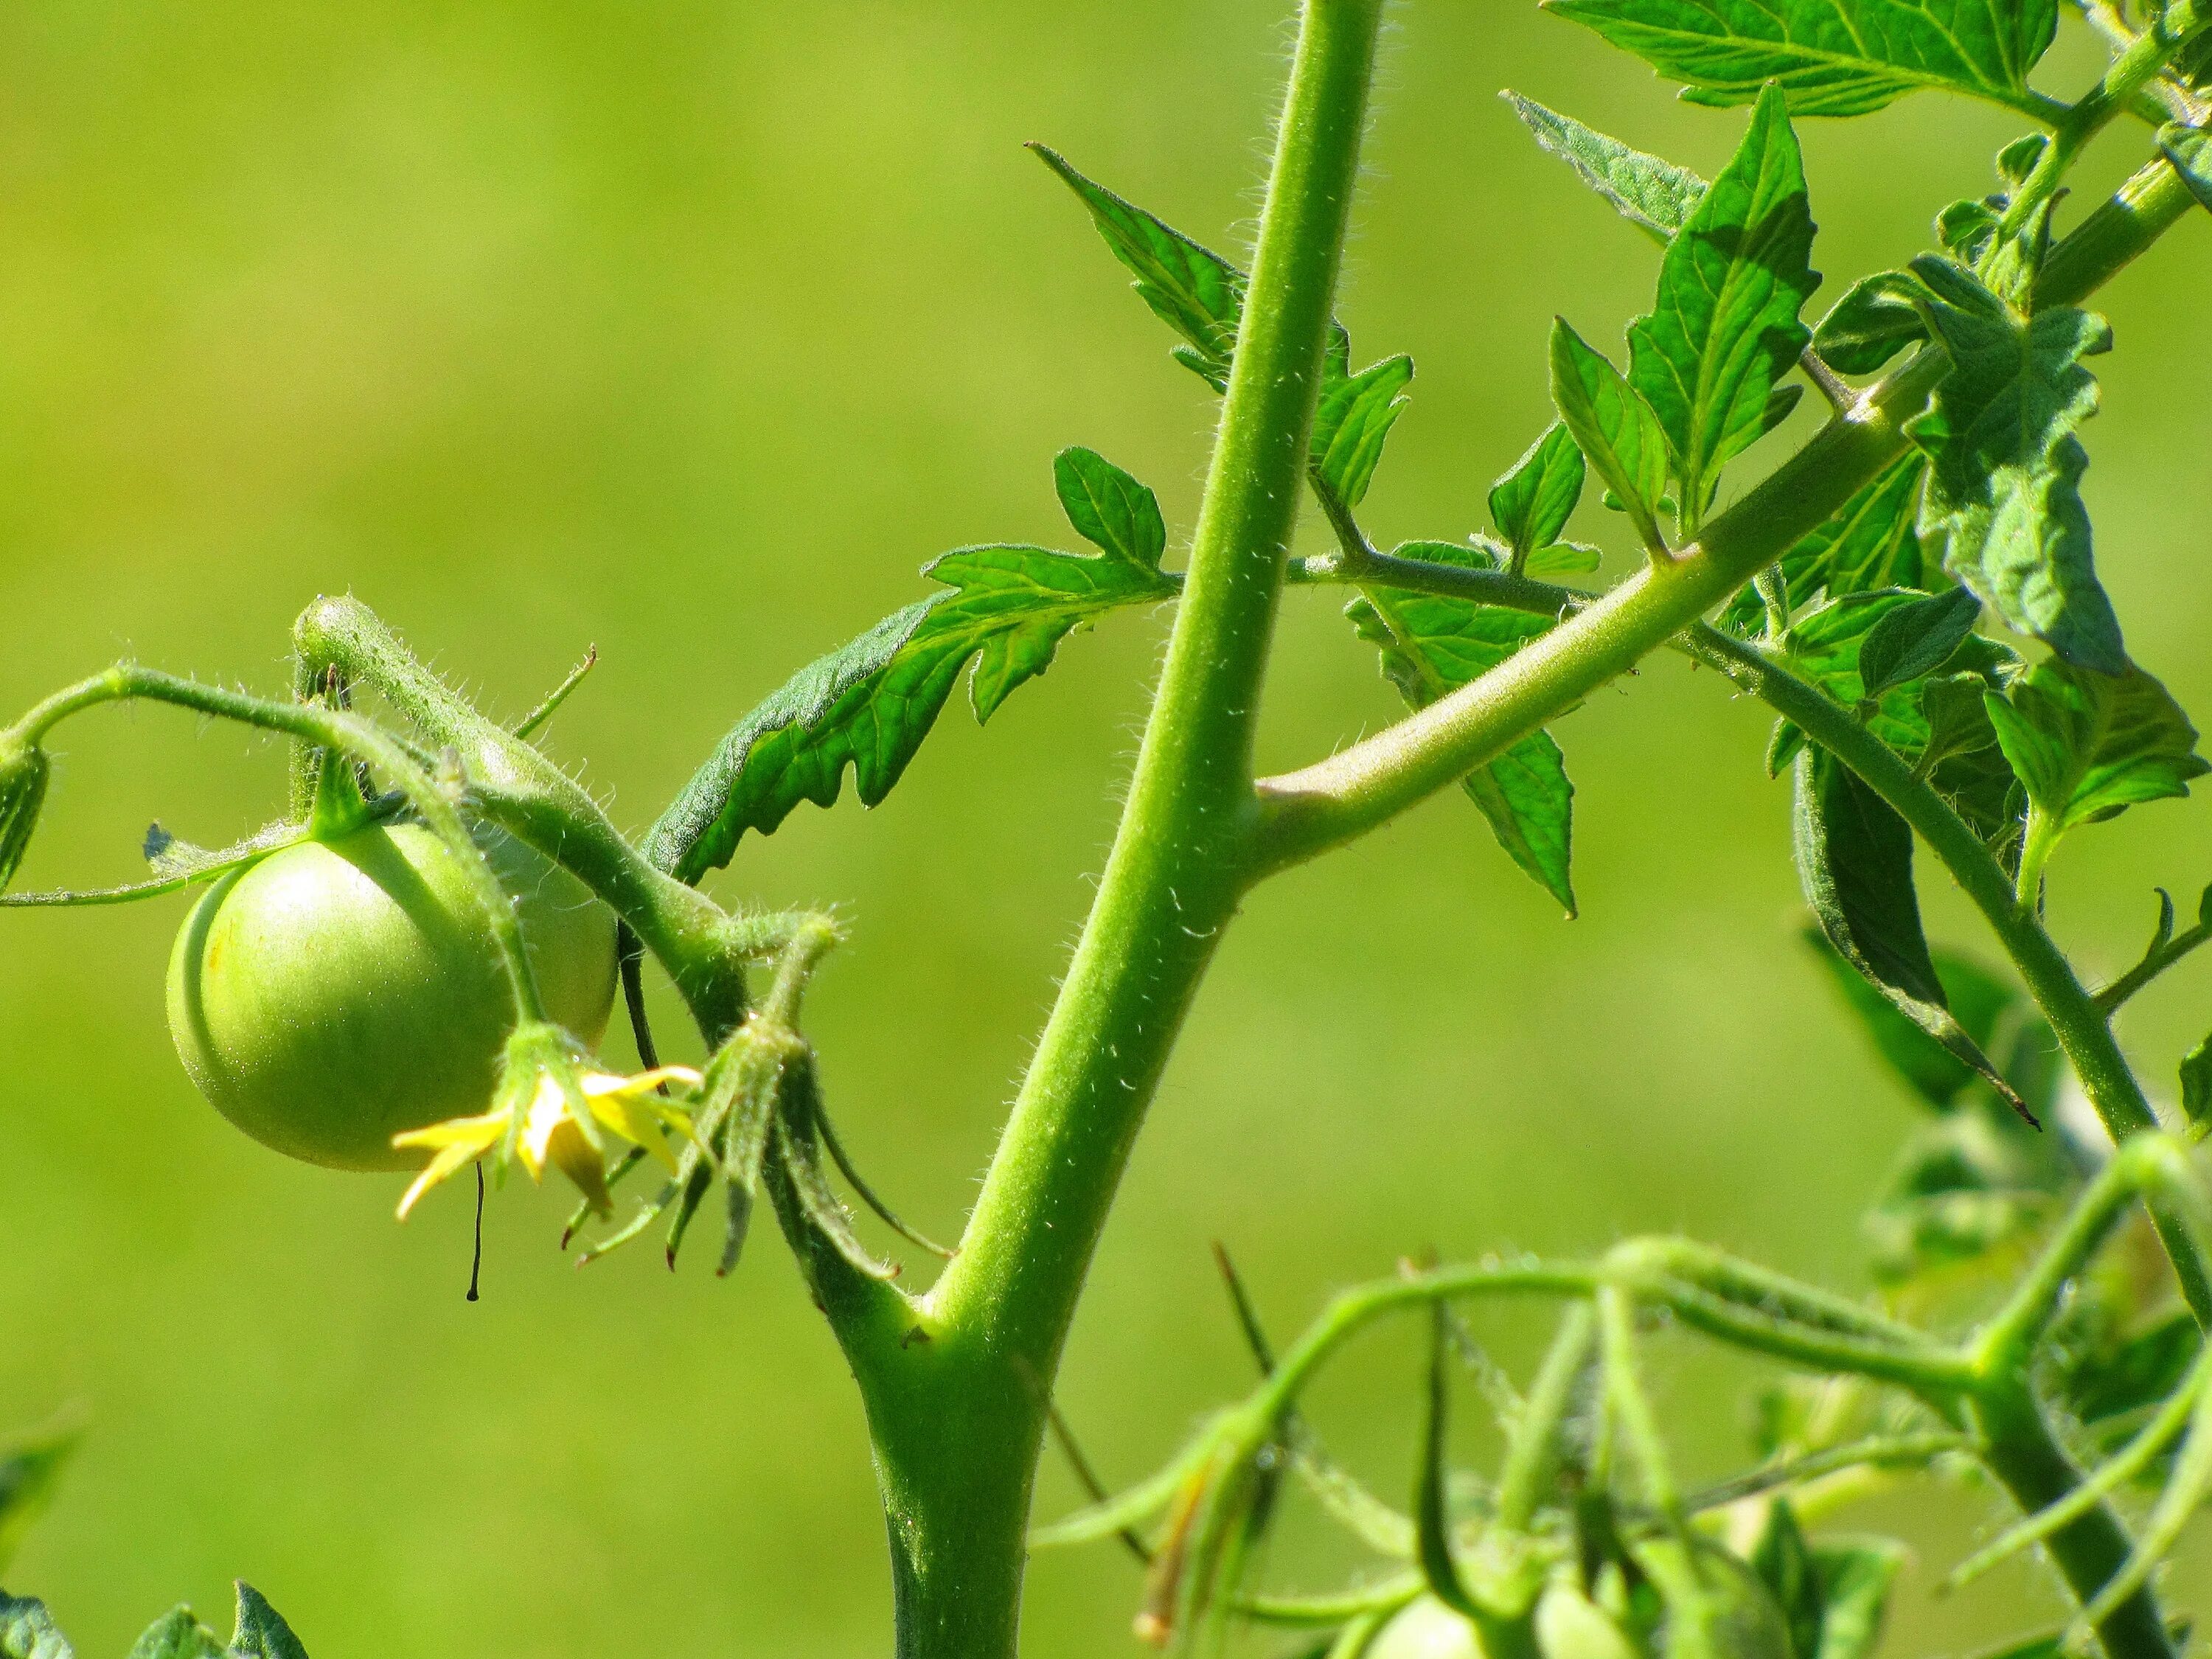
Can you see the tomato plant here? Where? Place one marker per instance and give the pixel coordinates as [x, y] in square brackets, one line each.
[1913, 590]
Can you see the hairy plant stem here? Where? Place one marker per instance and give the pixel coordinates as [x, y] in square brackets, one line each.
[340, 732]
[958, 1412]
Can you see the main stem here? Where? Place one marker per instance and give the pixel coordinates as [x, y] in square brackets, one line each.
[957, 1413]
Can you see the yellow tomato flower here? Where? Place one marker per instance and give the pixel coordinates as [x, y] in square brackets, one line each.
[552, 1101]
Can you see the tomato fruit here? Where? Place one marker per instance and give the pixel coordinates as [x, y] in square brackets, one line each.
[337, 993]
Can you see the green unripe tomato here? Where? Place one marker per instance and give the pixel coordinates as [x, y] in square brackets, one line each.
[1567, 1626]
[337, 993]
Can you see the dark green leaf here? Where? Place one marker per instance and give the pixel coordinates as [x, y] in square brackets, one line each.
[1997, 1015]
[2003, 491]
[2188, 151]
[1108, 508]
[1856, 1579]
[1193, 290]
[1826, 647]
[1964, 229]
[869, 706]
[1784, 1562]
[1432, 645]
[262, 1634]
[1532, 503]
[29, 1472]
[1833, 59]
[1869, 543]
[1643, 190]
[2087, 745]
[1350, 422]
[1855, 857]
[1911, 641]
[179, 1636]
[1726, 327]
[1874, 320]
[1614, 428]
[27, 1631]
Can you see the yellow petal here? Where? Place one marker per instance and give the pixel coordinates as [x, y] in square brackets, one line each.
[481, 1132]
[442, 1166]
[634, 1121]
[579, 1160]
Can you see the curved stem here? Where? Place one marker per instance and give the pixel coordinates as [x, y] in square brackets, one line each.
[2083, 1028]
[334, 730]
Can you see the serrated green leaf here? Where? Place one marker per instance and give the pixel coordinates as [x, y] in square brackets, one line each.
[1655, 195]
[2087, 745]
[868, 707]
[1833, 57]
[1827, 647]
[1911, 641]
[1874, 320]
[2188, 150]
[1192, 289]
[262, 1633]
[2003, 496]
[1870, 543]
[1613, 426]
[1725, 328]
[28, 1631]
[1430, 646]
[179, 1635]
[30, 1470]
[1532, 503]
[1352, 419]
[1855, 859]
[1108, 508]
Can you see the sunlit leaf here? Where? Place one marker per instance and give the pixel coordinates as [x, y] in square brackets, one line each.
[867, 707]
[179, 1635]
[262, 1633]
[1532, 503]
[1614, 428]
[1655, 195]
[28, 1631]
[1108, 508]
[1833, 57]
[1350, 422]
[1911, 641]
[1874, 320]
[2087, 745]
[1430, 646]
[2003, 497]
[1725, 328]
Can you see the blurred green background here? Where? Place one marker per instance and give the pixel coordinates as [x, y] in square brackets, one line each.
[690, 330]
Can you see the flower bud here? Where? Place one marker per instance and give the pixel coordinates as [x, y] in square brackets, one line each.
[23, 773]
